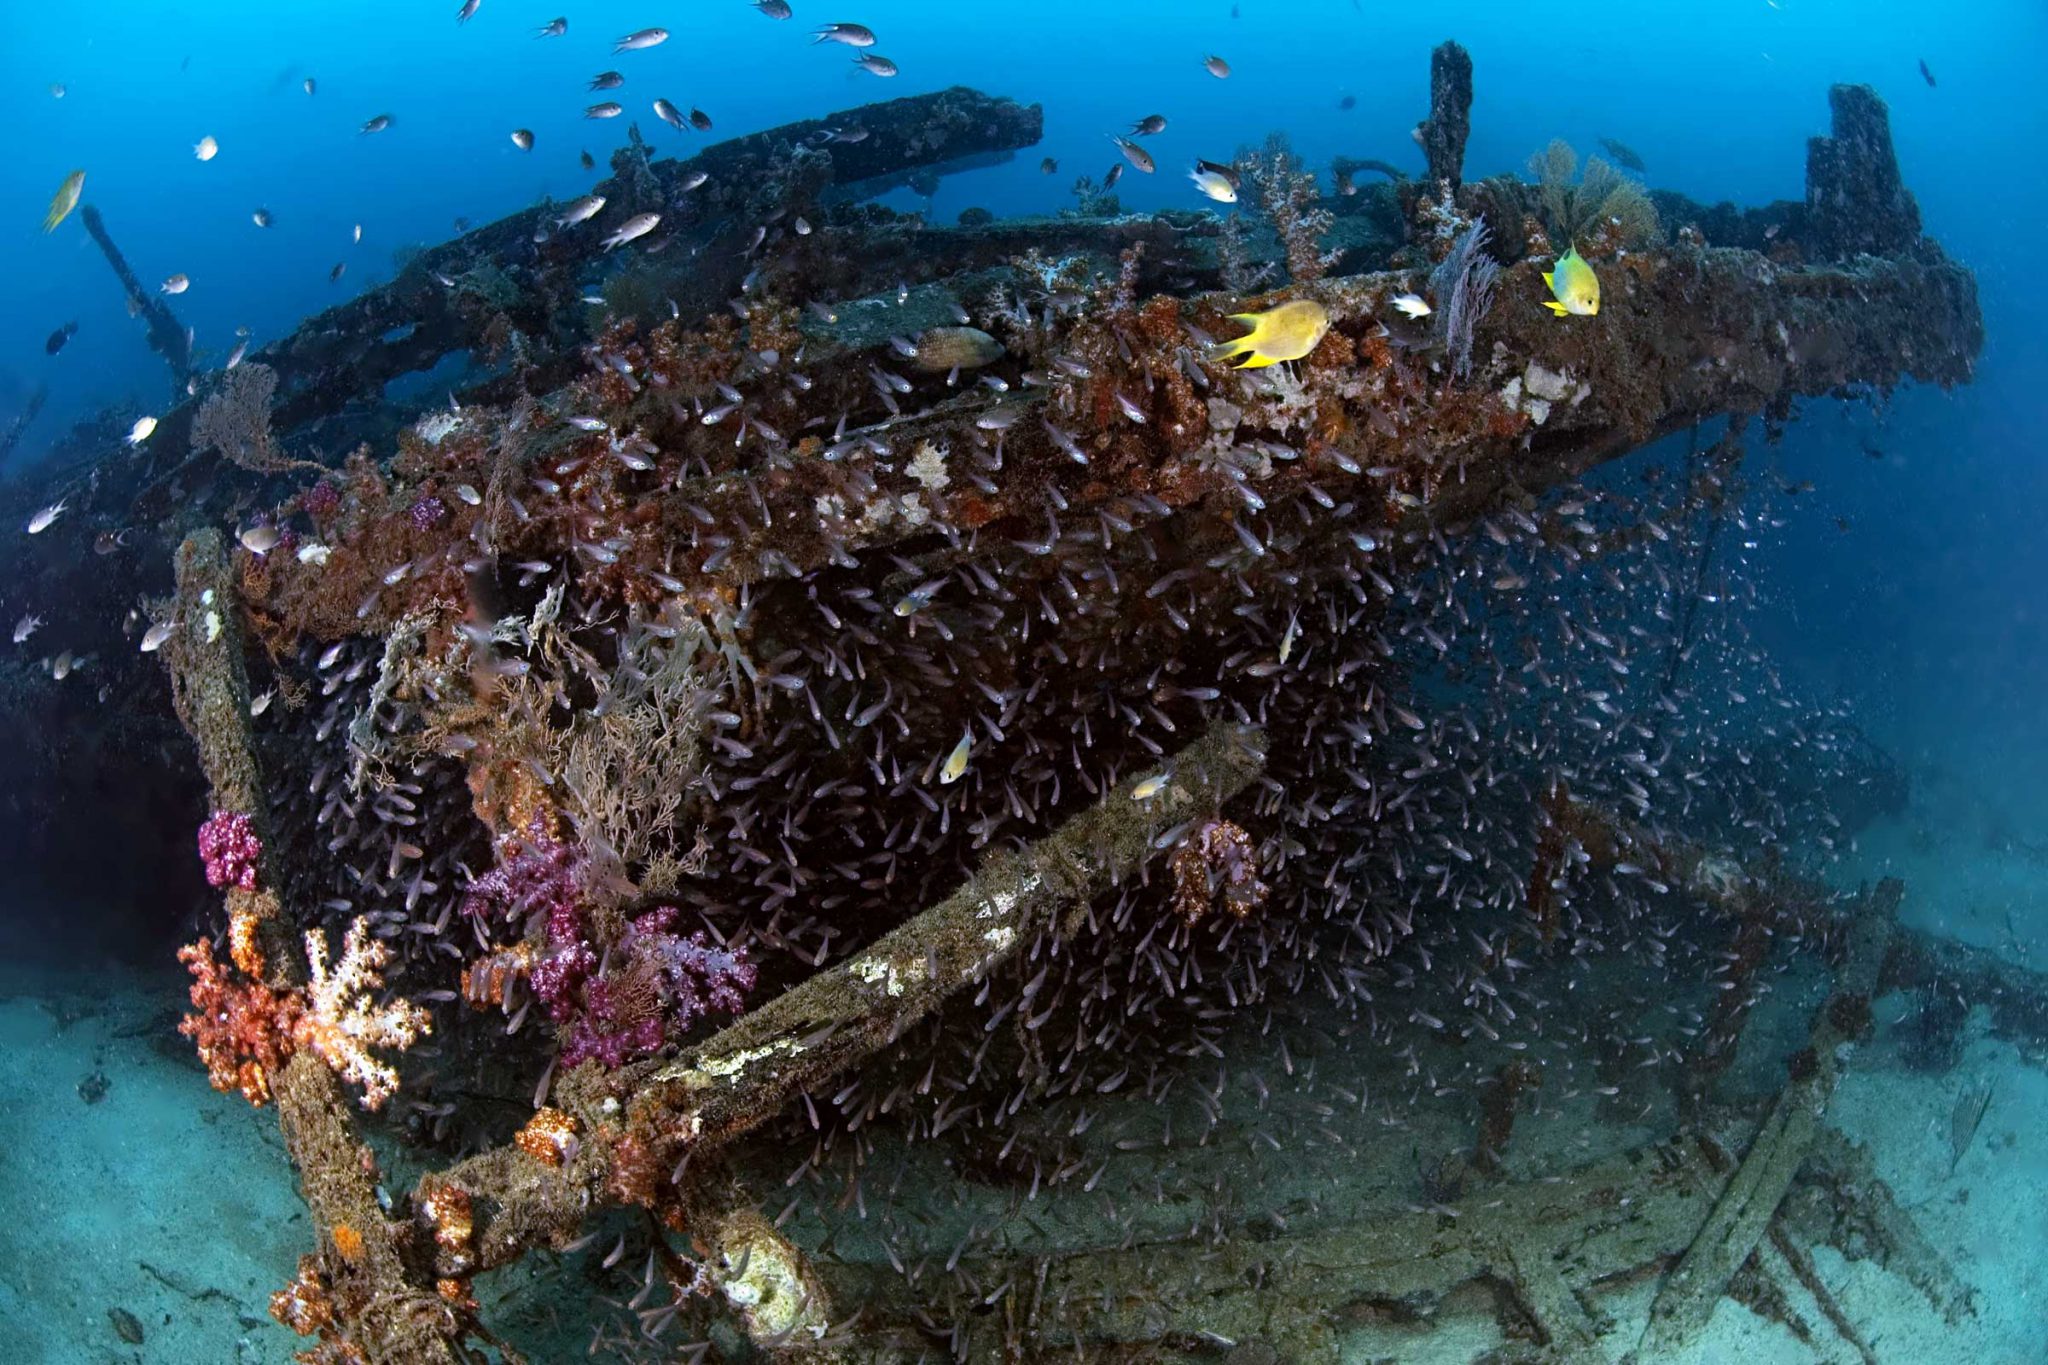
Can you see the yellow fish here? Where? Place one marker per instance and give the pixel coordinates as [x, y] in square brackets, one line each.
[66, 200]
[956, 762]
[1576, 287]
[1286, 332]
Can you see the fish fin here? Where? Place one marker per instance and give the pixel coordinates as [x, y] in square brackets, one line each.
[1550, 280]
[1556, 307]
[1257, 361]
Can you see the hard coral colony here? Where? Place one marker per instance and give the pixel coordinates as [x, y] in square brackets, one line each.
[943, 635]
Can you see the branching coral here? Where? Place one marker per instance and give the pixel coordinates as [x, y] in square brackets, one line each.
[244, 1030]
[340, 1023]
[247, 1031]
[611, 1002]
[629, 765]
[1604, 209]
[1291, 201]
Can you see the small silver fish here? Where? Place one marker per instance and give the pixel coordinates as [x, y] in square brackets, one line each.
[142, 430]
[378, 124]
[262, 218]
[875, 64]
[1135, 154]
[607, 80]
[1410, 305]
[589, 424]
[583, 209]
[1216, 67]
[40, 522]
[1149, 125]
[468, 10]
[261, 703]
[608, 109]
[176, 284]
[206, 149]
[154, 637]
[853, 35]
[553, 28]
[639, 225]
[26, 627]
[642, 40]
[235, 356]
[1149, 787]
[522, 138]
[693, 180]
[774, 9]
[670, 115]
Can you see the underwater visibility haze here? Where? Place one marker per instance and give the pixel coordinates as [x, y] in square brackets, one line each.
[1206, 683]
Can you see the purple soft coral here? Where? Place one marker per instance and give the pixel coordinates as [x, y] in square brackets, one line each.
[654, 985]
[230, 849]
[696, 976]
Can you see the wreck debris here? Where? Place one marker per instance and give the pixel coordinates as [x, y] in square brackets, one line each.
[167, 337]
[968, 491]
[1743, 1213]
[1856, 203]
[1442, 135]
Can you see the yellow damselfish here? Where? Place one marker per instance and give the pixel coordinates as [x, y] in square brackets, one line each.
[66, 200]
[1576, 287]
[1286, 332]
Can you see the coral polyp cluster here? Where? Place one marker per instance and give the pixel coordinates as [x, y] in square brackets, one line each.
[246, 1030]
[229, 848]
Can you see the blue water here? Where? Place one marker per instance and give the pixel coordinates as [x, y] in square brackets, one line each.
[1909, 586]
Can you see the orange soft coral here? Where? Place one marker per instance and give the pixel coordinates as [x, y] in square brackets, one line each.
[245, 1031]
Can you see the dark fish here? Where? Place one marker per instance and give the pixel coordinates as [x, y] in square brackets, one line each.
[1623, 154]
[607, 80]
[1048, 166]
[553, 28]
[1148, 125]
[377, 124]
[1925, 73]
[1114, 174]
[59, 337]
[700, 120]
[589, 161]
[334, 275]
[1348, 102]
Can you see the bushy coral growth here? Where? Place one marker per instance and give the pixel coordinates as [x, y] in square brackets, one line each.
[245, 1031]
[341, 1023]
[230, 849]
[652, 987]
[1217, 861]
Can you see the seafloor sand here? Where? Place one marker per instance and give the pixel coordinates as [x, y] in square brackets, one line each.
[176, 1204]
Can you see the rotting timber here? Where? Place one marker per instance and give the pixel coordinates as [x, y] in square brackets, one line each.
[737, 513]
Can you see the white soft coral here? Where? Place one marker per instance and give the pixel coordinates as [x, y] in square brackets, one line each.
[342, 1025]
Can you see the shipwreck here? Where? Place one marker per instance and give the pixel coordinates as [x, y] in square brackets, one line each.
[873, 699]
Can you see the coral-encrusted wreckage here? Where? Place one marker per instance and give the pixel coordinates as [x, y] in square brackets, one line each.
[871, 711]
